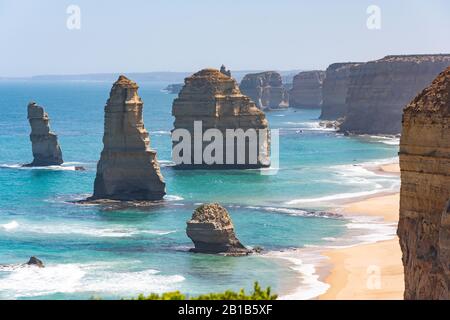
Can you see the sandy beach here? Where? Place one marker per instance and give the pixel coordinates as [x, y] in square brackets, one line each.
[369, 271]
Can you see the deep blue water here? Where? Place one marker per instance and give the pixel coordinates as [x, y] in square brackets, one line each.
[90, 251]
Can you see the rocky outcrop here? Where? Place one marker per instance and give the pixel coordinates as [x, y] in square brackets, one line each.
[212, 231]
[128, 168]
[46, 150]
[424, 227]
[306, 90]
[224, 71]
[380, 89]
[213, 100]
[335, 89]
[174, 88]
[35, 262]
[265, 89]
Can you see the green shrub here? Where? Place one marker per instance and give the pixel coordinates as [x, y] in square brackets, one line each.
[257, 294]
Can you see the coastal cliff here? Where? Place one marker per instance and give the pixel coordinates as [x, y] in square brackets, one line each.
[45, 146]
[265, 89]
[335, 89]
[306, 90]
[128, 168]
[380, 89]
[213, 100]
[424, 227]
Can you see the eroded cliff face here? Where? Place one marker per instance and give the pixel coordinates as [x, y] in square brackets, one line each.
[424, 227]
[265, 89]
[128, 168]
[306, 90]
[45, 146]
[380, 89]
[213, 100]
[335, 89]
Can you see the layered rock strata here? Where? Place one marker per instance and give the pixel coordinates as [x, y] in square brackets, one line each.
[306, 90]
[212, 231]
[380, 89]
[335, 89]
[45, 146]
[265, 89]
[424, 227]
[212, 100]
[128, 168]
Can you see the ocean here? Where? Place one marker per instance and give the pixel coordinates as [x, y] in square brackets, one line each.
[93, 251]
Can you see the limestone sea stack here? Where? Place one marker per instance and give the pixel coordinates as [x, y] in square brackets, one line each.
[380, 89]
[265, 89]
[306, 90]
[45, 146]
[335, 89]
[213, 100]
[128, 168]
[212, 231]
[424, 227]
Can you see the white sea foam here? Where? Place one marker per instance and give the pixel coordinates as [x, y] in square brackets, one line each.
[166, 163]
[50, 168]
[359, 175]
[389, 140]
[160, 132]
[159, 232]
[340, 196]
[82, 278]
[173, 198]
[9, 226]
[310, 126]
[65, 229]
[294, 212]
[371, 229]
[310, 286]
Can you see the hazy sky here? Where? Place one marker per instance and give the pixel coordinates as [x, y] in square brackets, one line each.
[186, 35]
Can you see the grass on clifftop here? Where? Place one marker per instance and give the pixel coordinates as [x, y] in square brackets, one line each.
[257, 294]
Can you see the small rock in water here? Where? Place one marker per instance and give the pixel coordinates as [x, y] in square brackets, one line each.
[212, 231]
[35, 262]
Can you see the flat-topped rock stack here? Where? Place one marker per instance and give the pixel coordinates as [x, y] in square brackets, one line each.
[306, 90]
[335, 89]
[45, 146]
[128, 169]
[424, 227]
[213, 100]
[380, 89]
[265, 89]
[212, 231]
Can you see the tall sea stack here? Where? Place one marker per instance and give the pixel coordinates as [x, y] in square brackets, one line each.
[265, 89]
[380, 89]
[128, 168]
[306, 90]
[335, 89]
[46, 150]
[424, 227]
[213, 100]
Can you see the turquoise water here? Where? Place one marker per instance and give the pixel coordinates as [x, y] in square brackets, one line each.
[90, 251]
